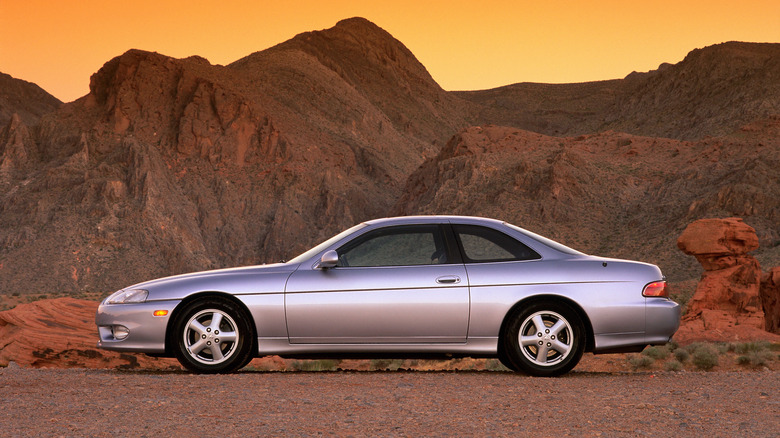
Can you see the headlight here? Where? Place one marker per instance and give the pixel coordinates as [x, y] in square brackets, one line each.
[127, 296]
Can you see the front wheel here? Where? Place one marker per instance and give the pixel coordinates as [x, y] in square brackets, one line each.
[544, 339]
[212, 336]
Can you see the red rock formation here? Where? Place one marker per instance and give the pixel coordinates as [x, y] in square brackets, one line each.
[726, 305]
[719, 243]
[770, 298]
[61, 333]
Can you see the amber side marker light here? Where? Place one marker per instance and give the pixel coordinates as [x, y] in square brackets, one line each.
[656, 289]
[160, 312]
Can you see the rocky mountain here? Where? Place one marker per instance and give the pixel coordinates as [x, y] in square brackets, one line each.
[173, 165]
[608, 193]
[25, 99]
[712, 92]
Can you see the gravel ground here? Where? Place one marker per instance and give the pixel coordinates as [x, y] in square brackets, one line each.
[81, 402]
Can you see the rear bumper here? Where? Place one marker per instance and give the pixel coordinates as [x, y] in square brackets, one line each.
[662, 319]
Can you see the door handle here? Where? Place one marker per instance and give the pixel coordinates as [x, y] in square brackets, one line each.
[448, 279]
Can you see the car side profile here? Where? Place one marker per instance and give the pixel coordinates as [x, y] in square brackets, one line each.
[431, 286]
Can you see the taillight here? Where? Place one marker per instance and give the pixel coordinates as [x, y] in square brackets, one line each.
[656, 289]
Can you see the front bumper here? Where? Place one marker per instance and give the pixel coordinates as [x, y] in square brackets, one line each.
[146, 331]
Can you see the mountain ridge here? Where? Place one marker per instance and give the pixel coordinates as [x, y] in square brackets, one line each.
[173, 165]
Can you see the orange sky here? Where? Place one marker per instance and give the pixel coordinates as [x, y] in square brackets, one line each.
[466, 45]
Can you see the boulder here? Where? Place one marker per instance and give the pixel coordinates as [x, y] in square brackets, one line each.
[727, 304]
[718, 243]
[770, 299]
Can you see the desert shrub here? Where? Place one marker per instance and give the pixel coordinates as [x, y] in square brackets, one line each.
[386, 364]
[681, 355]
[639, 361]
[315, 365]
[673, 365]
[656, 352]
[705, 357]
[747, 347]
[495, 365]
[691, 348]
[15, 294]
[723, 347]
[756, 358]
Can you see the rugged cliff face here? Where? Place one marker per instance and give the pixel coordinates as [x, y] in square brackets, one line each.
[173, 165]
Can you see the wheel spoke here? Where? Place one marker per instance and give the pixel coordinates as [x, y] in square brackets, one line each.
[216, 320]
[528, 340]
[198, 346]
[216, 352]
[558, 327]
[198, 327]
[539, 323]
[227, 337]
[560, 347]
[541, 353]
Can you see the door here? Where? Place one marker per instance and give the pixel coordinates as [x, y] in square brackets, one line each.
[393, 285]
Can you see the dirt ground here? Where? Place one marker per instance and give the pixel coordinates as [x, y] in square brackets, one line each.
[86, 402]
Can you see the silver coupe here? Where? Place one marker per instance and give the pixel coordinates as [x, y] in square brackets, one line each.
[430, 286]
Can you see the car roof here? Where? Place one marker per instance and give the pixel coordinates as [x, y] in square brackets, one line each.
[431, 219]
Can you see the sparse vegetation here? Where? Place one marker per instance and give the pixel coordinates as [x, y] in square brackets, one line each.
[673, 365]
[314, 365]
[756, 358]
[656, 352]
[640, 361]
[495, 365]
[705, 357]
[681, 355]
[755, 354]
[747, 347]
[386, 364]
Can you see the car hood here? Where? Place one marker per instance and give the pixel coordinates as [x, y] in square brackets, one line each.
[237, 281]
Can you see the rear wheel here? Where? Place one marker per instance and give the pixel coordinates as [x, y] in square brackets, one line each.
[212, 336]
[544, 339]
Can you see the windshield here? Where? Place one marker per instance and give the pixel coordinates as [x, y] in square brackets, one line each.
[319, 248]
[551, 243]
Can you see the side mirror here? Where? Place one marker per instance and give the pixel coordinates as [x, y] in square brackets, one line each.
[328, 260]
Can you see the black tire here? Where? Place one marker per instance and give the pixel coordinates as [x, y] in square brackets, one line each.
[212, 335]
[550, 350]
[504, 359]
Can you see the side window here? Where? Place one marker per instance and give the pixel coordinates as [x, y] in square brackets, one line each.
[402, 245]
[482, 244]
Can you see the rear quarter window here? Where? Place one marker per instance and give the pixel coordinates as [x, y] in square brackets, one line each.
[482, 245]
